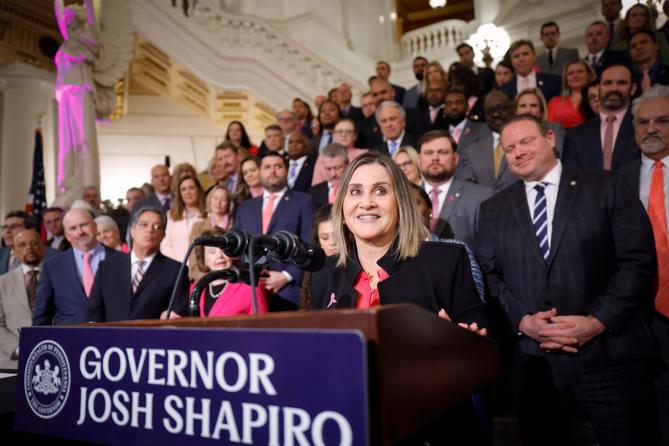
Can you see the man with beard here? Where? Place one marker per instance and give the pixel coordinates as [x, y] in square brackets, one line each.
[421, 120]
[67, 278]
[454, 202]
[649, 177]
[328, 116]
[412, 94]
[606, 141]
[483, 162]
[278, 209]
[17, 294]
[138, 286]
[465, 132]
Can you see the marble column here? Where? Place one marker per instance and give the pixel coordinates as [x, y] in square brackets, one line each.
[27, 103]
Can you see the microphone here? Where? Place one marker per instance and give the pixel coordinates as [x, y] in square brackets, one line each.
[287, 247]
[233, 242]
[232, 275]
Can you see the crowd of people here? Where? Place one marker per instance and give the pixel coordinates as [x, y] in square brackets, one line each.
[527, 203]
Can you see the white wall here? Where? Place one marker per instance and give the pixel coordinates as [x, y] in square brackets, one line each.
[154, 127]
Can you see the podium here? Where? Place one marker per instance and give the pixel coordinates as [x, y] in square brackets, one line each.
[417, 365]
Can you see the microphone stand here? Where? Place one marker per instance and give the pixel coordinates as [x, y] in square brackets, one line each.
[176, 282]
[232, 275]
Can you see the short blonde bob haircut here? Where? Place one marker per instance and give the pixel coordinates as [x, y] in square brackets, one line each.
[410, 231]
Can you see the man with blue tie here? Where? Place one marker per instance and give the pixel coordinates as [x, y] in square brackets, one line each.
[569, 259]
[67, 278]
[278, 209]
[391, 117]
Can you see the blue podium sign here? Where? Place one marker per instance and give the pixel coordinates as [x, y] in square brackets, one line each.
[191, 386]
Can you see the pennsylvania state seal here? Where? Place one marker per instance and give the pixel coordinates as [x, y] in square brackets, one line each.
[46, 379]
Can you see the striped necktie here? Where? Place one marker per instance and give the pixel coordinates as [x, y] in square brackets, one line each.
[139, 274]
[31, 287]
[540, 219]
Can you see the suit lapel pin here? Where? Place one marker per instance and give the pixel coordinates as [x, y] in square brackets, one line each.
[541, 82]
[573, 183]
[332, 300]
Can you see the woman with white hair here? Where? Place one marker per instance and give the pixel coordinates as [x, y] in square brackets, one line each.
[108, 234]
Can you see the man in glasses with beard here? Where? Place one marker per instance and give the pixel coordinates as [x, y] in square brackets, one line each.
[606, 141]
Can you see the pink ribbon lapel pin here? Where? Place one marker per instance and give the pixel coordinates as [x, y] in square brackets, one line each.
[332, 300]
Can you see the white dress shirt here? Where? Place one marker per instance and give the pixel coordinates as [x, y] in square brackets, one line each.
[298, 163]
[552, 182]
[134, 263]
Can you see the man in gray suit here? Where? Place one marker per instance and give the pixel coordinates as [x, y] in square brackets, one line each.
[454, 202]
[465, 132]
[411, 96]
[555, 58]
[483, 162]
[17, 294]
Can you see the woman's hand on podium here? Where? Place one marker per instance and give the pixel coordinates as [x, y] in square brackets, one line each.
[173, 315]
[471, 327]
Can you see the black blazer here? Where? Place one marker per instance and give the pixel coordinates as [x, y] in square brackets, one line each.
[439, 277]
[354, 113]
[601, 262]
[112, 298]
[303, 180]
[369, 133]
[583, 145]
[610, 57]
[418, 121]
[409, 139]
[549, 84]
[320, 193]
[63, 246]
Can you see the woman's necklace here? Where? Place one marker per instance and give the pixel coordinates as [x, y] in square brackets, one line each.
[216, 295]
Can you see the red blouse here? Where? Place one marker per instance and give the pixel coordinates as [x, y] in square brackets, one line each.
[562, 111]
[367, 297]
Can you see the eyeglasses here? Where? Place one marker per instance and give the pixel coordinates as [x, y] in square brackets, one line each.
[145, 225]
[344, 132]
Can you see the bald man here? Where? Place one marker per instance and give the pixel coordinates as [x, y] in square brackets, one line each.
[67, 278]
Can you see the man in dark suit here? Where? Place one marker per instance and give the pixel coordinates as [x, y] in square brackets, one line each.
[14, 222]
[348, 110]
[486, 75]
[391, 117]
[67, 278]
[455, 202]
[53, 221]
[599, 55]
[328, 116]
[606, 141]
[421, 120]
[369, 129]
[411, 96]
[648, 177]
[614, 24]
[161, 181]
[483, 162]
[524, 60]
[300, 165]
[464, 131]
[643, 52]
[569, 259]
[335, 161]
[139, 285]
[383, 72]
[554, 59]
[276, 210]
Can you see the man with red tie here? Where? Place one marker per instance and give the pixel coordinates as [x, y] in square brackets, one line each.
[650, 178]
[67, 278]
[278, 209]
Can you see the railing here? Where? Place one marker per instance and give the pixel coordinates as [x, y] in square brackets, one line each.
[439, 37]
[250, 37]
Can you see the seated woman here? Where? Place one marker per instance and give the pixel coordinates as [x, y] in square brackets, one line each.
[531, 102]
[221, 298]
[567, 108]
[407, 159]
[108, 234]
[187, 209]
[384, 258]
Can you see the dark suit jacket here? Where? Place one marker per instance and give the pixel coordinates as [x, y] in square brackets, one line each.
[303, 180]
[601, 262]
[65, 244]
[399, 93]
[112, 298]
[60, 297]
[476, 165]
[5, 251]
[633, 173]
[295, 214]
[560, 60]
[487, 79]
[409, 139]
[583, 145]
[549, 84]
[419, 280]
[369, 133]
[659, 74]
[354, 113]
[418, 121]
[609, 57]
[320, 193]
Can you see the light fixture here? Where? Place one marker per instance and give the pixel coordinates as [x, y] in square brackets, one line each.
[393, 16]
[434, 4]
[489, 43]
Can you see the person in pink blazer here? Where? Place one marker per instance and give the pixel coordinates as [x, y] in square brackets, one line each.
[221, 298]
